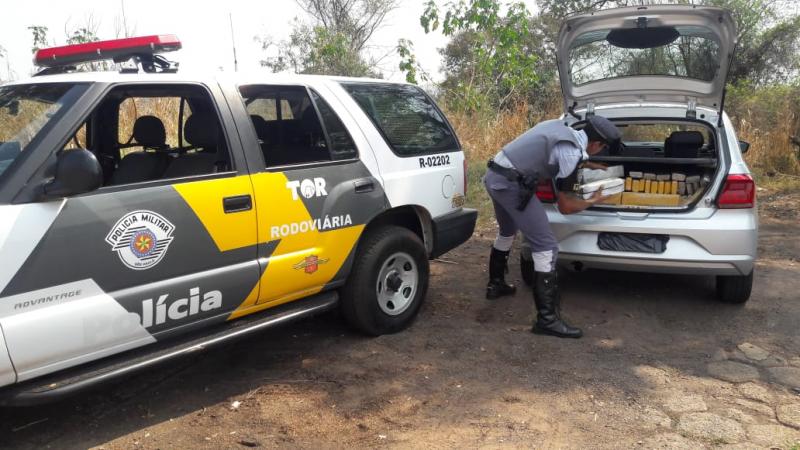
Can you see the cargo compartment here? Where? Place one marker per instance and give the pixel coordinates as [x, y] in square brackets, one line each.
[666, 165]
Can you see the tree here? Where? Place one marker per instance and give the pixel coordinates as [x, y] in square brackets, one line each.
[358, 20]
[408, 62]
[335, 43]
[493, 56]
[87, 32]
[317, 50]
[39, 36]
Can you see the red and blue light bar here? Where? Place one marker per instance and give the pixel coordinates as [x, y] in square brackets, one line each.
[115, 49]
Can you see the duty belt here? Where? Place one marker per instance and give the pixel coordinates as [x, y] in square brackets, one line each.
[509, 173]
[527, 183]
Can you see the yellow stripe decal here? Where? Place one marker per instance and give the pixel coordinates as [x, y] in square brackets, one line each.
[229, 231]
[286, 277]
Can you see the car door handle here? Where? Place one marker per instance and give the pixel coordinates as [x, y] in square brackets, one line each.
[363, 186]
[237, 203]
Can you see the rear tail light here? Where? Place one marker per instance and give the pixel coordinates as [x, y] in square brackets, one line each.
[739, 192]
[545, 192]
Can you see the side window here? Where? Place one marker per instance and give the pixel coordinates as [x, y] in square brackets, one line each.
[78, 140]
[286, 124]
[155, 132]
[407, 118]
[342, 145]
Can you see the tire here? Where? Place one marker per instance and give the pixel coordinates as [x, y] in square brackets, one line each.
[526, 269]
[734, 289]
[387, 283]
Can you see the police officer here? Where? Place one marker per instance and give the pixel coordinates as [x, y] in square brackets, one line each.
[550, 150]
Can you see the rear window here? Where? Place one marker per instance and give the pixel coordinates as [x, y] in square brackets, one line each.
[25, 110]
[657, 133]
[688, 52]
[408, 119]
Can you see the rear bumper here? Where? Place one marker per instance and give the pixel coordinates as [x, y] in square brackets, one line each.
[722, 243]
[452, 230]
[731, 265]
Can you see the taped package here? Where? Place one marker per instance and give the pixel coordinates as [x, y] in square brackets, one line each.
[610, 186]
[590, 175]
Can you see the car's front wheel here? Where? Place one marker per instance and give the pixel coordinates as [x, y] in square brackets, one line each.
[734, 288]
[387, 283]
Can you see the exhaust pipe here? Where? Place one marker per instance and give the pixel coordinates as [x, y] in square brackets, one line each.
[577, 266]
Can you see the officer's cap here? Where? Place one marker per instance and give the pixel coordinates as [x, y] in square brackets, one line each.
[599, 128]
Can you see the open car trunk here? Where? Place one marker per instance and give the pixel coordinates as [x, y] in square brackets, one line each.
[665, 165]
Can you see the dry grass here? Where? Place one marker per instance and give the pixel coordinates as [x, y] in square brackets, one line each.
[483, 136]
[767, 118]
[771, 149]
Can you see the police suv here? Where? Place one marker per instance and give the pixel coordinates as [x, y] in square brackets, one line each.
[148, 213]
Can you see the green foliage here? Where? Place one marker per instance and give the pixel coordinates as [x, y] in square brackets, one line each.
[82, 35]
[492, 59]
[769, 104]
[334, 44]
[317, 50]
[39, 36]
[408, 62]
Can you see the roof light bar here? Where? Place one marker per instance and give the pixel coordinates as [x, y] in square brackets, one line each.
[117, 49]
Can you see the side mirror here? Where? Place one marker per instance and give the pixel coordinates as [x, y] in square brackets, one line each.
[77, 171]
[744, 146]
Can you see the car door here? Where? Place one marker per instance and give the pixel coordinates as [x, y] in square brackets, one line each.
[141, 258]
[312, 193]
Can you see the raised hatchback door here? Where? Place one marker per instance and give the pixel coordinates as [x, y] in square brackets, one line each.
[167, 245]
[663, 53]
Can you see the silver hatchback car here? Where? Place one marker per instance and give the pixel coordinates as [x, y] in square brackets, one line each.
[659, 73]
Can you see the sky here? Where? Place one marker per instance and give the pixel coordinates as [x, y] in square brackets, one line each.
[204, 30]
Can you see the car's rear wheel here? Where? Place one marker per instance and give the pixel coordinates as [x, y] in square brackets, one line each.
[734, 288]
[388, 281]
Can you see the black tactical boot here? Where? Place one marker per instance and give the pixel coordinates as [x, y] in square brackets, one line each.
[548, 308]
[497, 286]
[526, 268]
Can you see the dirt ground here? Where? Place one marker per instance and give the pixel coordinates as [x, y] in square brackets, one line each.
[662, 365]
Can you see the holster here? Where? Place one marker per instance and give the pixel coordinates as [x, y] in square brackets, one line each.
[527, 183]
[527, 189]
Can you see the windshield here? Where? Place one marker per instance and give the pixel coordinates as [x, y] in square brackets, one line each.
[689, 52]
[25, 110]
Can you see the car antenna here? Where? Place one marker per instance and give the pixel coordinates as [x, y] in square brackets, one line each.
[233, 43]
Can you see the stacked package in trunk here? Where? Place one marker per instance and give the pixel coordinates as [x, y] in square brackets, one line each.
[650, 189]
[640, 188]
[609, 182]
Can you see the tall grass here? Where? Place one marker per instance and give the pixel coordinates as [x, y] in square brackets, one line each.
[767, 118]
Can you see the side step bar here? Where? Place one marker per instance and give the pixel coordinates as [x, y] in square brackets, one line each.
[70, 381]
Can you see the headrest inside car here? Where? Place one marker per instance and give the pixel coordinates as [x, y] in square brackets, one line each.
[148, 131]
[692, 139]
[201, 130]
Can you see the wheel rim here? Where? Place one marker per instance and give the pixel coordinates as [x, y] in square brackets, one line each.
[397, 284]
